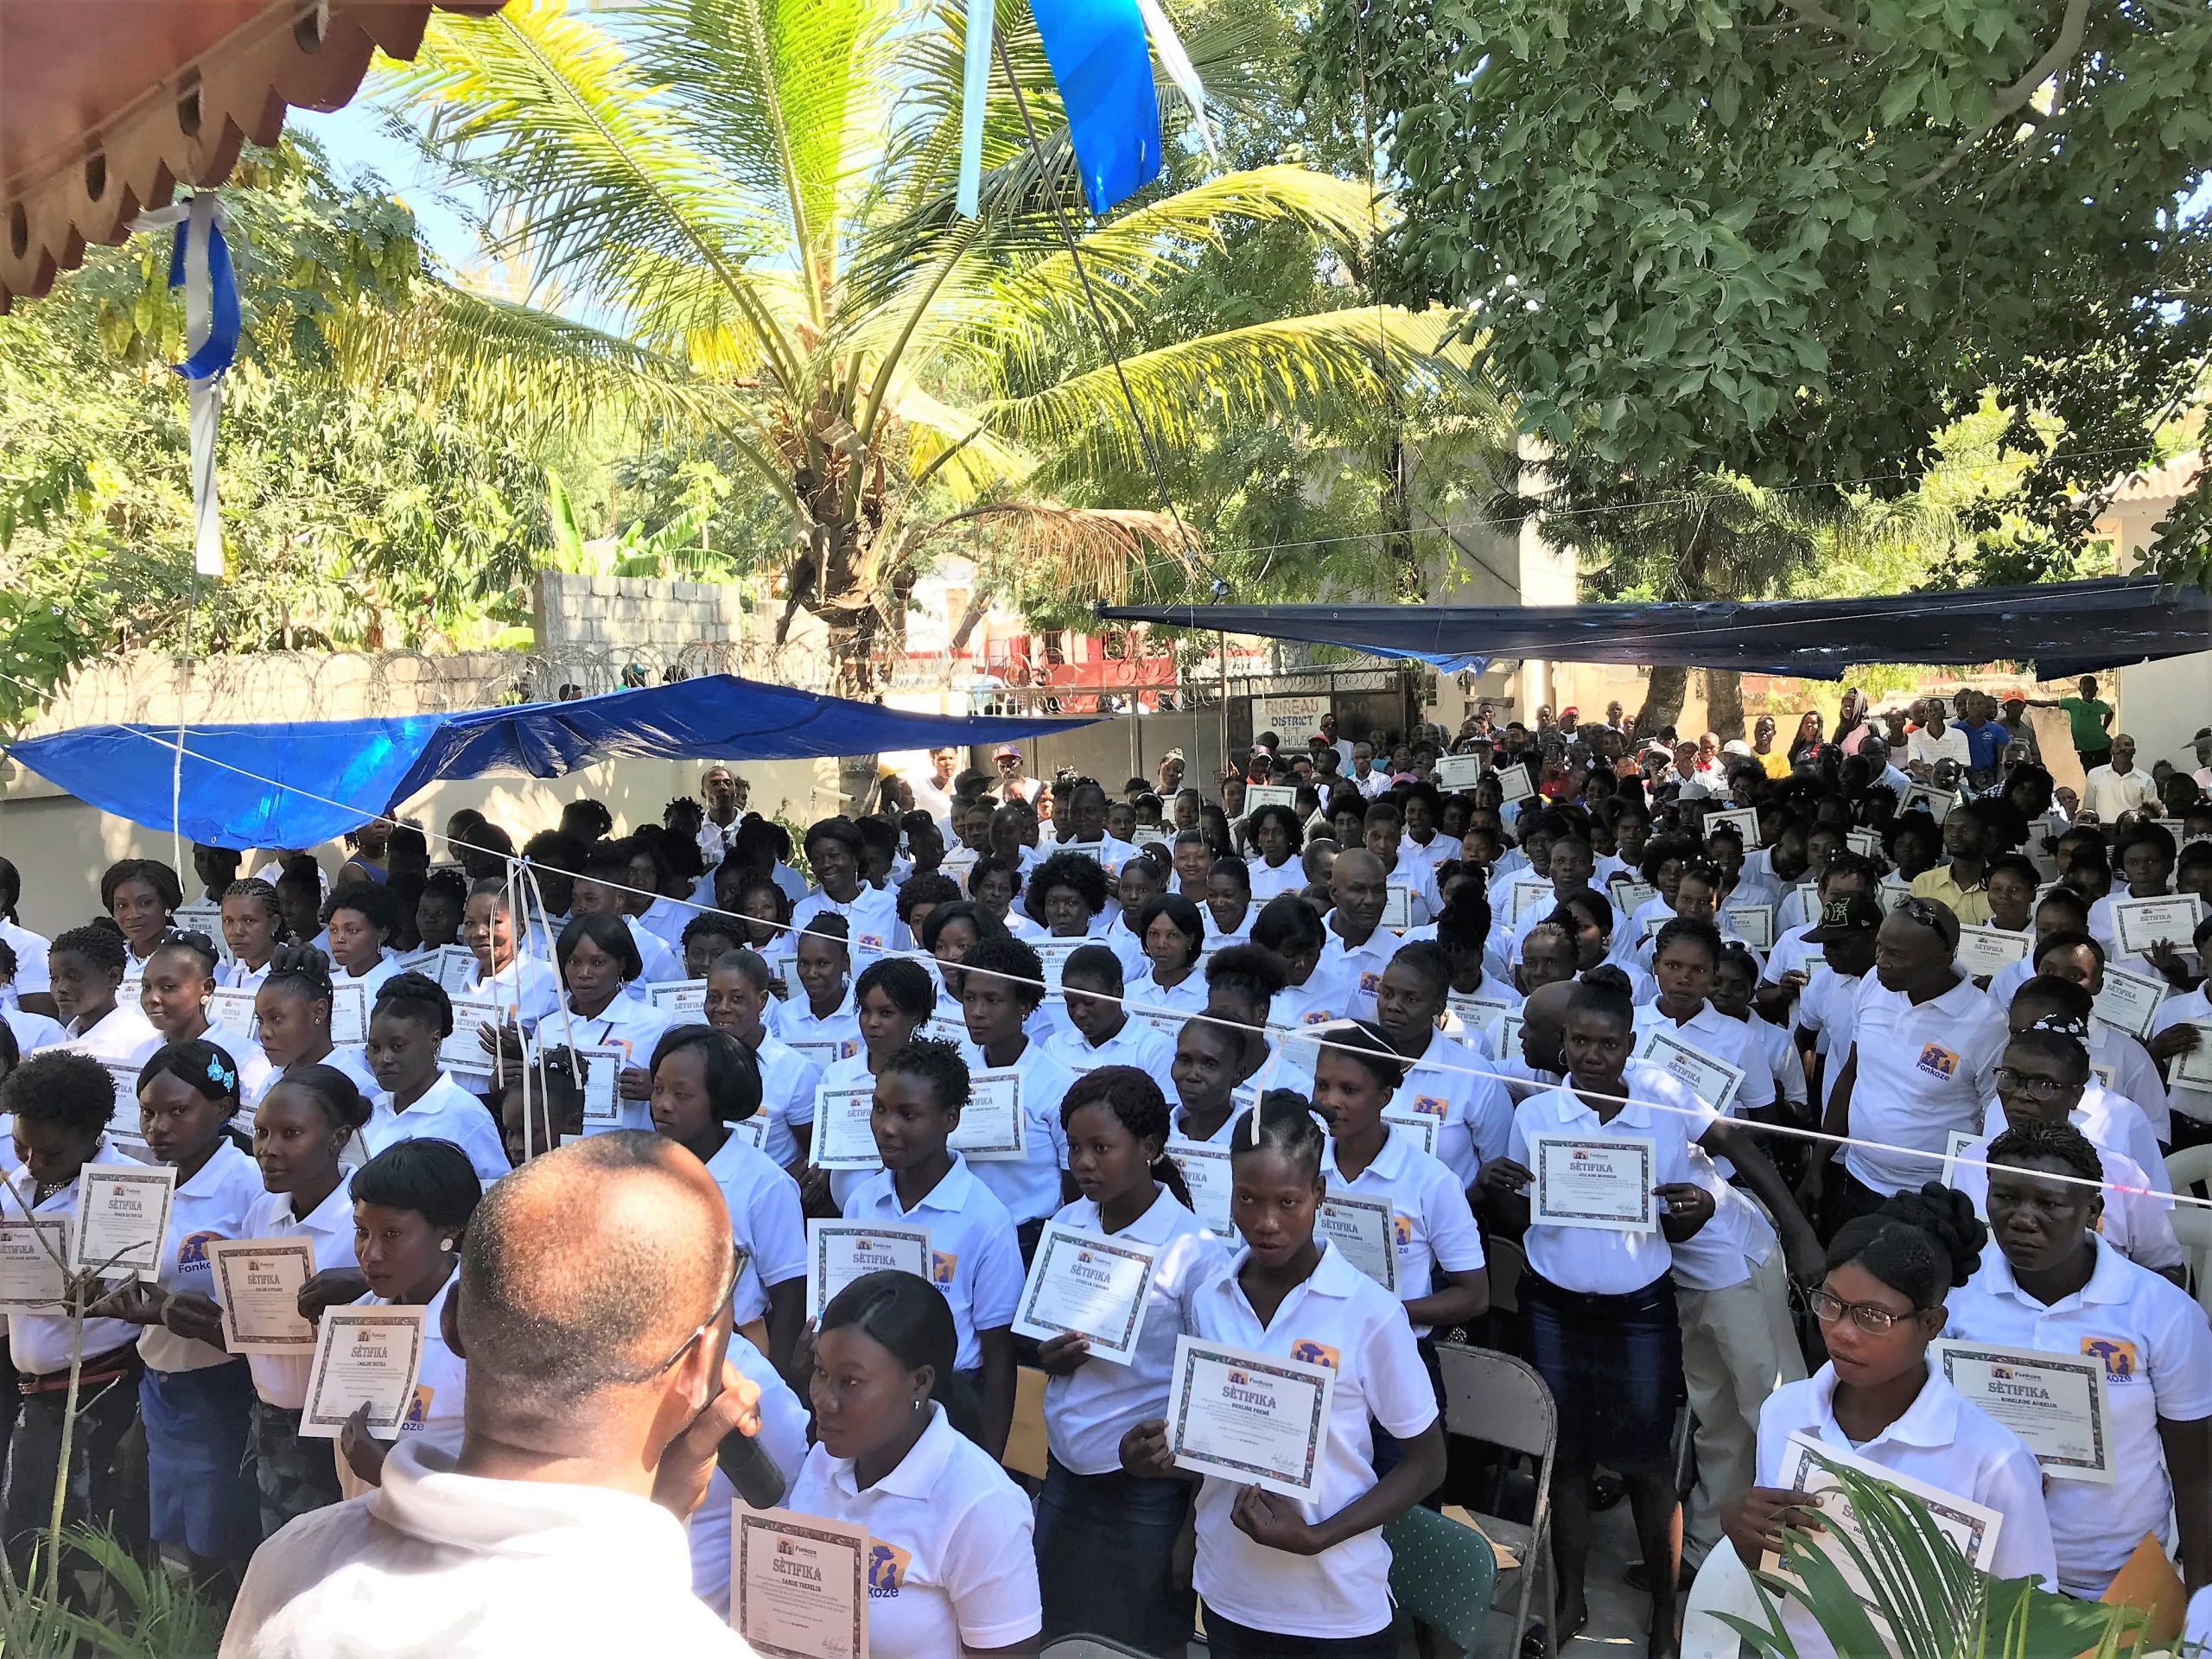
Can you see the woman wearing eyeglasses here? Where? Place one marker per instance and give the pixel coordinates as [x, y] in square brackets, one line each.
[2059, 1288]
[1880, 1305]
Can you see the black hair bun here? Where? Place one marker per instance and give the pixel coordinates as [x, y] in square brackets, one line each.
[1947, 1216]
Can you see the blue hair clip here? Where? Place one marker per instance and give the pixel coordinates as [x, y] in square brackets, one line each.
[226, 1080]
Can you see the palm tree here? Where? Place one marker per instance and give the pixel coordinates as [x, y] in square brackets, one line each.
[758, 193]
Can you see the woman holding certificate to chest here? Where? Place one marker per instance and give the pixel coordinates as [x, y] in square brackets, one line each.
[1291, 1356]
[1104, 1536]
[2056, 1292]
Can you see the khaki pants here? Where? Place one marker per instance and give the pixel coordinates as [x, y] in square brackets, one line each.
[1737, 1347]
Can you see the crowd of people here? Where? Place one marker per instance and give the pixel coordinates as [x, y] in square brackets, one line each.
[1877, 1009]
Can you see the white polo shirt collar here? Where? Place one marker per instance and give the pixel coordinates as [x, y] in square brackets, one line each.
[1932, 1419]
[919, 1472]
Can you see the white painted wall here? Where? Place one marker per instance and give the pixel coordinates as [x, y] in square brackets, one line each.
[2161, 705]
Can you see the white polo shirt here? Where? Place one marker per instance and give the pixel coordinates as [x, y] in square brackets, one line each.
[1793, 953]
[235, 975]
[32, 974]
[629, 1023]
[2157, 1354]
[120, 1033]
[1941, 1440]
[1325, 995]
[1474, 1113]
[446, 1112]
[763, 1214]
[2107, 1120]
[1088, 1411]
[213, 1204]
[1922, 1072]
[1593, 1259]
[1272, 881]
[1164, 1008]
[1358, 968]
[788, 1079]
[1030, 1187]
[1435, 1230]
[527, 985]
[2185, 1009]
[41, 1344]
[835, 1036]
[2134, 1075]
[974, 1257]
[952, 1566]
[281, 1379]
[1341, 1318]
[784, 1425]
[872, 918]
[1710, 1031]
[1135, 1045]
[384, 967]
[32, 1031]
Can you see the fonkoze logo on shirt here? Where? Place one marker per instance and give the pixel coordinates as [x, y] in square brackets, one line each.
[941, 1263]
[1939, 1062]
[2119, 1357]
[1306, 1351]
[886, 1568]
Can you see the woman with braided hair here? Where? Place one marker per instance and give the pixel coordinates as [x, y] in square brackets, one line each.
[86, 966]
[2056, 1286]
[1879, 1397]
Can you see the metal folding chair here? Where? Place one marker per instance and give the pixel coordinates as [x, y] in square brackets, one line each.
[1496, 1398]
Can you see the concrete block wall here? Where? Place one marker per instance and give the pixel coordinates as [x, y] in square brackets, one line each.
[603, 613]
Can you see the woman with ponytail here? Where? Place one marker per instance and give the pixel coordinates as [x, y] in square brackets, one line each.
[1890, 1276]
[1105, 1538]
[950, 1567]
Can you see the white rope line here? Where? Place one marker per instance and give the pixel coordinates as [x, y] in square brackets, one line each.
[1131, 1006]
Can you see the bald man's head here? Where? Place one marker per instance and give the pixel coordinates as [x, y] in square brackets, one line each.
[1543, 1029]
[585, 1269]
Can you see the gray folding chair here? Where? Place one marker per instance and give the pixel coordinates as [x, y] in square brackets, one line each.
[1496, 1398]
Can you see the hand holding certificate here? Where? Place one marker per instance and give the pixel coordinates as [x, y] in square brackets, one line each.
[2138, 923]
[1985, 950]
[1712, 1080]
[363, 1356]
[838, 1252]
[257, 1280]
[1585, 1181]
[798, 1584]
[1093, 1287]
[2129, 1001]
[32, 1253]
[1366, 1231]
[122, 1211]
[843, 1138]
[1206, 1173]
[1248, 1418]
[463, 1049]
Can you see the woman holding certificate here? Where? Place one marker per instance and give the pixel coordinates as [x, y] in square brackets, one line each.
[412, 1018]
[1001, 982]
[894, 999]
[1105, 1537]
[1882, 1398]
[2056, 1288]
[597, 958]
[950, 1568]
[1291, 1330]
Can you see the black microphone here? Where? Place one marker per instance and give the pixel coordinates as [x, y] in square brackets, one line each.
[750, 1470]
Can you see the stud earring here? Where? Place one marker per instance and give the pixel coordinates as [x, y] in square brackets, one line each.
[445, 1244]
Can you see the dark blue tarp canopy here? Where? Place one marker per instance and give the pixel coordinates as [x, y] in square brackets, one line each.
[301, 784]
[2064, 629]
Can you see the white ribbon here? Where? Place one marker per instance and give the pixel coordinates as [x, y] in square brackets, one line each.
[1167, 46]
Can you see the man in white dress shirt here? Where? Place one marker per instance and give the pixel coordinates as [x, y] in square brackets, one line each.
[2119, 786]
[594, 1308]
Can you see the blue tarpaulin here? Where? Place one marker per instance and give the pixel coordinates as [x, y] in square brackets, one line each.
[299, 784]
[2063, 629]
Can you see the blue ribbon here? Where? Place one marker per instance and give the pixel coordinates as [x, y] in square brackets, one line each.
[1104, 69]
[220, 348]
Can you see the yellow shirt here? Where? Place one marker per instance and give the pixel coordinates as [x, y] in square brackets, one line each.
[1776, 763]
[1971, 905]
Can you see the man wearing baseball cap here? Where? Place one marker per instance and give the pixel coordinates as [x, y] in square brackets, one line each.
[1842, 938]
[1011, 783]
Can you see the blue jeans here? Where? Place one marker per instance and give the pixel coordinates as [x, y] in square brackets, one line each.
[1104, 1549]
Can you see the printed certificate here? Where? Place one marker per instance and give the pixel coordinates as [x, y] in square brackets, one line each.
[1867, 843]
[798, 1584]
[1508, 1034]
[202, 917]
[368, 1354]
[842, 1139]
[1421, 1126]
[1525, 895]
[1585, 1181]
[1938, 802]
[1248, 1418]
[683, 999]
[1983, 951]
[992, 1128]
[1631, 895]
[258, 1280]
[1956, 1141]
[1514, 784]
[123, 1121]
[1054, 952]
[838, 1252]
[1972, 1528]
[1093, 850]
[349, 1015]
[2138, 923]
[453, 966]
[1205, 1172]
[234, 1008]
[603, 1080]
[2193, 1069]
[32, 1253]
[2055, 1403]
[1457, 771]
[122, 1211]
[463, 1050]
[1479, 1013]
[1397, 907]
[1744, 820]
[1366, 1231]
[1090, 1285]
[2128, 1001]
[828, 1052]
[1711, 1079]
[1259, 795]
[1752, 924]
[753, 1131]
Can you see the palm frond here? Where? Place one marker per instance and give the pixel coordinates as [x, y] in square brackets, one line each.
[1044, 546]
[952, 446]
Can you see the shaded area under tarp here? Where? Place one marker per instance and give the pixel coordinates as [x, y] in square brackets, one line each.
[299, 784]
[2064, 629]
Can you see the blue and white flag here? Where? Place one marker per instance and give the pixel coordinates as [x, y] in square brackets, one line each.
[200, 263]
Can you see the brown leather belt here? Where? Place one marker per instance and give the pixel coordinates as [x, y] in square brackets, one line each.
[96, 1371]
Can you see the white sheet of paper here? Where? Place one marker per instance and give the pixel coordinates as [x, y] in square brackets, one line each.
[463, 1050]
[1094, 1286]
[1711, 1078]
[1594, 1181]
[1527, 894]
[1752, 924]
[838, 1252]
[1479, 1013]
[1989, 950]
[2055, 1403]
[1743, 819]
[1457, 771]
[2138, 923]
[234, 1008]
[1205, 1172]
[349, 1015]
[1515, 783]
[842, 1139]
[453, 966]
[202, 917]
[2129, 1001]
[1259, 795]
[2193, 1070]
[798, 1584]
[1365, 1231]
[1397, 907]
[32, 1254]
[993, 1128]
[1631, 895]
[363, 1354]
[602, 1065]
[1248, 1418]
[683, 999]
[1954, 1142]
[1939, 802]
[122, 1121]
[826, 1052]
[122, 1211]
[1421, 1126]
[258, 1282]
[1867, 843]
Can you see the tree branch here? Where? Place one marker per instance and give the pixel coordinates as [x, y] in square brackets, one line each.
[2015, 99]
[1813, 12]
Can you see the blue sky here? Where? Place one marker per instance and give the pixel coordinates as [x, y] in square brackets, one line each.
[354, 139]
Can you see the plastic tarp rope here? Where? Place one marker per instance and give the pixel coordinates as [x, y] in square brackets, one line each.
[301, 784]
[2063, 629]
